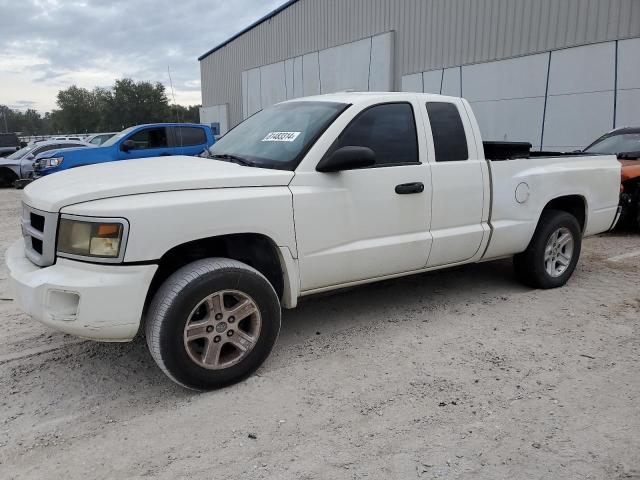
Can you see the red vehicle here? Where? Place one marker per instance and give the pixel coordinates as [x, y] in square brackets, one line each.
[625, 143]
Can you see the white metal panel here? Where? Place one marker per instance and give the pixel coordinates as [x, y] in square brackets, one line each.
[310, 74]
[254, 102]
[517, 120]
[412, 83]
[223, 116]
[273, 87]
[628, 108]
[216, 114]
[298, 90]
[345, 67]
[432, 81]
[381, 64]
[245, 95]
[429, 34]
[451, 82]
[289, 77]
[574, 121]
[208, 115]
[629, 63]
[513, 78]
[589, 68]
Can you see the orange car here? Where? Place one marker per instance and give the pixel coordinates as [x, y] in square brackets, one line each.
[625, 143]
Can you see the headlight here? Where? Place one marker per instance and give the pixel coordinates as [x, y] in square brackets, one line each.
[50, 162]
[92, 238]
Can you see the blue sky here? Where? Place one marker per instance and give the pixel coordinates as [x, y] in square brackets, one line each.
[48, 45]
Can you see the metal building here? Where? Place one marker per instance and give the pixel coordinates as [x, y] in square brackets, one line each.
[556, 73]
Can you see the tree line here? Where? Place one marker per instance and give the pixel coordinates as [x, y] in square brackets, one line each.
[99, 110]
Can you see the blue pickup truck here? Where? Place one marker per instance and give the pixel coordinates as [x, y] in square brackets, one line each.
[141, 141]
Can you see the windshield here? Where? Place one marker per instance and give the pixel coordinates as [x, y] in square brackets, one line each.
[22, 152]
[615, 144]
[278, 136]
[113, 140]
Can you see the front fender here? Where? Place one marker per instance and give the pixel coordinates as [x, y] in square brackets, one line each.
[161, 221]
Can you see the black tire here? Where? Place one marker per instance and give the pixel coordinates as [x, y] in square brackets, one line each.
[177, 298]
[530, 264]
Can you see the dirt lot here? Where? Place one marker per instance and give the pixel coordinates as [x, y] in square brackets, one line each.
[455, 374]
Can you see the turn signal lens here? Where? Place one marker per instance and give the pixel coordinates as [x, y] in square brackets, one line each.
[107, 229]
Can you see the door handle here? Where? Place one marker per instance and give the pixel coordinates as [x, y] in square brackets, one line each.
[165, 154]
[406, 188]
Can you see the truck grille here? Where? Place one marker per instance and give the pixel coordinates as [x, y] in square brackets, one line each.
[39, 232]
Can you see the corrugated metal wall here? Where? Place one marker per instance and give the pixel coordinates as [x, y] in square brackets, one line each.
[429, 34]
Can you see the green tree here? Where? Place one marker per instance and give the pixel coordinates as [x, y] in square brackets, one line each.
[139, 102]
[29, 122]
[78, 112]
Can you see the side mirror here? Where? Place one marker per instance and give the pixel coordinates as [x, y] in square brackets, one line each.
[128, 145]
[347, 158]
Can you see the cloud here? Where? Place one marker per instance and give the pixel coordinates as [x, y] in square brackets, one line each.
[48, 44]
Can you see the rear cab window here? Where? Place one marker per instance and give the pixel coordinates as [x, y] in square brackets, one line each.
[190, 136]
[449, 138]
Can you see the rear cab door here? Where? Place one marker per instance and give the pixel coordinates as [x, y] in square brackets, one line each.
[460, 182]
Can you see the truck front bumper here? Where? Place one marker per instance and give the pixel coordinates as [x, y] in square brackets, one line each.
[99, 302]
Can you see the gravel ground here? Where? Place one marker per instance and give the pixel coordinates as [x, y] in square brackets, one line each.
[462, 373]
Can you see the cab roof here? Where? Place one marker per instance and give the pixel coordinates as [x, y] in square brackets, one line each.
[356, 98]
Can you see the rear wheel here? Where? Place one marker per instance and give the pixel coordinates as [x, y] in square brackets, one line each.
[552, 254]
[212, 323]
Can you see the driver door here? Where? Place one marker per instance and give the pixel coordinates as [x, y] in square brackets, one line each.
[149, 142]
[358, 225]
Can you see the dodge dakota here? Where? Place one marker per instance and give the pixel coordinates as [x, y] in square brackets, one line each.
[306, 196]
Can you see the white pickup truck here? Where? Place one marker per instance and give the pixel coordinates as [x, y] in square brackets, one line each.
[306, 196]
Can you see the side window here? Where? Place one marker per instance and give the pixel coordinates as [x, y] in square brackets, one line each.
[449, 139]
[187, 136]
[389, 130]
[150, 138]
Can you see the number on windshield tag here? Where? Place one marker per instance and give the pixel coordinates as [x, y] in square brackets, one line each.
[281, 136]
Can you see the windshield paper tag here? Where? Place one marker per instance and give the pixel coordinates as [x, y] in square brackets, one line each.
[281, 136]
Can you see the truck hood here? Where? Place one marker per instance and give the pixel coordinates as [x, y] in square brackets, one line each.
[146, 175]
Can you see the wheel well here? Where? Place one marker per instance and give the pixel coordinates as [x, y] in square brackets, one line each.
[8, 175]
[256, 250]
[573, 204]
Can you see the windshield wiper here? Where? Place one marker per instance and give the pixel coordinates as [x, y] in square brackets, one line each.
[233, 159]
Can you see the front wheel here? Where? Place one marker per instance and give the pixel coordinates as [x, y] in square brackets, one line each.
[212, 323]
[552, 254]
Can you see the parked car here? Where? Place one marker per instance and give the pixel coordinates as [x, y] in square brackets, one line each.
[306, 196]
[9, 143]
[99, 138]
[75, 138]
[625, 144]
[18, 167]
[152, 140]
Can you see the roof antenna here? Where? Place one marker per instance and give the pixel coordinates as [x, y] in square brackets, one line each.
[173, 95]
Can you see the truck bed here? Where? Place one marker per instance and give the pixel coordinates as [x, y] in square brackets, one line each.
[521, 189]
